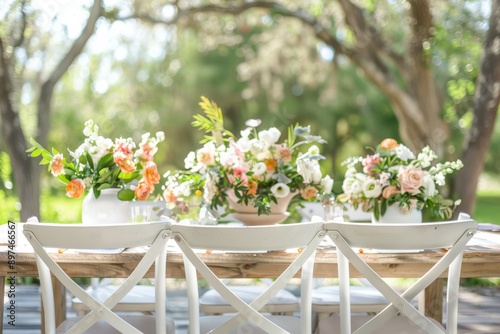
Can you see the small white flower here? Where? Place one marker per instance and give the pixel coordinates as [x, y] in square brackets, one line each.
[429, 186]
[440, 180]
[270, 136]
[280, 190]
[327, 184]
[404, 153]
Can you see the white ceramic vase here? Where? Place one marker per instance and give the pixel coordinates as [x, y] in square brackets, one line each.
[394, 215]
[107, 209]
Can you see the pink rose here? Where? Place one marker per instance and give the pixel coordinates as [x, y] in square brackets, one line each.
[369, 163]
[411, 179]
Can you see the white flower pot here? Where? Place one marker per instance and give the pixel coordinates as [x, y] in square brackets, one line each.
[107, 209]
[394, 215]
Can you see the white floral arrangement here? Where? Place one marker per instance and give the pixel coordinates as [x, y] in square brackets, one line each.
[393, 174]
[256, 168]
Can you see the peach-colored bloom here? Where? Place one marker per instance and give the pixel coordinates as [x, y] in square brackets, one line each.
[125, 146]
[143, 190]
[56, 165]
[169, 196]
[75, 188]
[309, 192]
[411, 179]
[205, 156]
[389, 191]
[151, 174]
[123, 161]
[271, 165]
[284, 153]
[148, 151]
[252, 188]
[388, 144]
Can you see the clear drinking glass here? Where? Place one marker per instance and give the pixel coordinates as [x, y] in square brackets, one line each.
[140, 213]
[333, 211]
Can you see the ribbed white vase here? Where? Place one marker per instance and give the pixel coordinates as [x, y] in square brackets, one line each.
[394, 215]
[107, 209]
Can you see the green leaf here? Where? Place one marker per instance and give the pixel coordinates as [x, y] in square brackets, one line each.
[126, 195]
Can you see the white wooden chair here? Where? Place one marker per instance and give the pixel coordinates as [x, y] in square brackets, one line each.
[141, 298]
[248, 318]
[101, 318]
[326, 298]
[400, 316]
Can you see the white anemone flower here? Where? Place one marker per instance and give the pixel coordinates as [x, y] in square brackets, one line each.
[372, 188]
[280, 190]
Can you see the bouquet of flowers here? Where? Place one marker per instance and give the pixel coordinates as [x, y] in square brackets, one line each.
[100, 163]
[256, 168]
[393, 174]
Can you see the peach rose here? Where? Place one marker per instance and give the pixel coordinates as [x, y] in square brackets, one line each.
[309, 193]
[56, 165]
[124, 162]
[75, 188]
[411, 179]
[389, 191]
[389, 144]
[143, 190]
[151, 174]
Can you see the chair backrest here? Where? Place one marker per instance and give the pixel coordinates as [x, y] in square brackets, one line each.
[451, 236]
[45, 236]
[304, 237]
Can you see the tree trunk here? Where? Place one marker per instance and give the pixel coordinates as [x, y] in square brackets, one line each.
[25, 178]
[486, 100]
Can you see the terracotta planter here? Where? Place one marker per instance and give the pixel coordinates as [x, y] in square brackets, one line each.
[247, 214]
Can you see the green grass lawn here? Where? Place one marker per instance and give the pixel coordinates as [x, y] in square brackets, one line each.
[487, 205]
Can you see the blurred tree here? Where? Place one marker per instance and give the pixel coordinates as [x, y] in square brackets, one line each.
[20, 40]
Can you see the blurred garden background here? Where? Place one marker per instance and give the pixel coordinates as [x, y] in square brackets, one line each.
[355, 71]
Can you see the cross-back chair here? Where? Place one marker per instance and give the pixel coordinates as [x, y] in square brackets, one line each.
[193, 239]
[101, 319]
[400, 316]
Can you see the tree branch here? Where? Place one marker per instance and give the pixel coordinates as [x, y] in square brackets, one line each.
[47, 89]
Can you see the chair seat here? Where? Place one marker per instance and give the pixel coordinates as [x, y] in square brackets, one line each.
[326, 299]
[141, 298]
[398, 324]
[211, 302]
[289, 323]
[146, 324]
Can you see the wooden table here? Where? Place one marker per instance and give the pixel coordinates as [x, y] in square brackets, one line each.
[481, 259]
